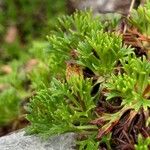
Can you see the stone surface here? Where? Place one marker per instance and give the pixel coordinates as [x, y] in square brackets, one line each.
[19, 141]
[103, 6]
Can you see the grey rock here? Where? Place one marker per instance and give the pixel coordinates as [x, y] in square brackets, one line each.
[20, 141]
[103, 6]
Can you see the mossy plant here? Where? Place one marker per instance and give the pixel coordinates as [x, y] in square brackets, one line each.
[140, 18]
[99, 88]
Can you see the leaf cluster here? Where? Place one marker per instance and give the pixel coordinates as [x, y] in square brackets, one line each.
[82, 53]
[63, 107]
[140, 18]
[133, 85]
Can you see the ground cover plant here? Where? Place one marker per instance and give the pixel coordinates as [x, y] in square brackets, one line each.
[99, 85]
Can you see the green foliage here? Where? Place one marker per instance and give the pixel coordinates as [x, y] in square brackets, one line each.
[101, 51]
[133, 85]
[140, 18]
[143, 144]
[9, 106]
[89, 143]
[84, 35]
[111, 20]
[79, 24]
[68, 100]
[63, 107]
[71, 30]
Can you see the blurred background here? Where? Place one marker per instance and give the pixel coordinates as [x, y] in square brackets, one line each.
[22, 21]
[24, 25]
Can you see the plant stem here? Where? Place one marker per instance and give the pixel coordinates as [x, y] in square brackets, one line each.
[88, 127]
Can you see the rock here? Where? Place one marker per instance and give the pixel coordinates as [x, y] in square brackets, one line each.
[20, 141]
[103, 6]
